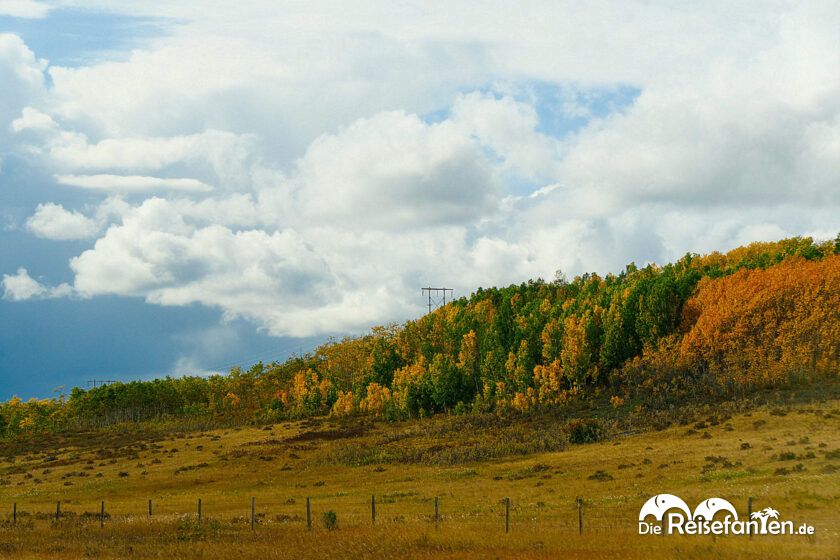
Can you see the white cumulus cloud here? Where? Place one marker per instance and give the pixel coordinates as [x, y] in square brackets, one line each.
[132, 183]
[21, 287]
[29, 9]
[395, 171]
[310, 169]
[53, 221]
[33, 119]
[21, 78]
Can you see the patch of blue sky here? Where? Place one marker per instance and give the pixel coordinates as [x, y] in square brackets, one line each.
[519, 186]
[74, 37]
[437, 116]
[68, 341]
[564, 109]
[22, 186]
[47, 261]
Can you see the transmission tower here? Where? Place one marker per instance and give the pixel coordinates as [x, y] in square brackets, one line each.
[436, 296]
[100, 382]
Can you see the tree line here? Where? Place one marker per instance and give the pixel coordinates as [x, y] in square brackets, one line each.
[708, 326]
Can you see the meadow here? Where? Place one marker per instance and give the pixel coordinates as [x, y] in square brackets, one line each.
[784, 454]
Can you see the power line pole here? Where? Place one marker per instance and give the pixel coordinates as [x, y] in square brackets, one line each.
[437, 301]
[99, 382]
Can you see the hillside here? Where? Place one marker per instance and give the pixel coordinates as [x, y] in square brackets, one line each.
[699, 329]
[784, 455]
[712, 377]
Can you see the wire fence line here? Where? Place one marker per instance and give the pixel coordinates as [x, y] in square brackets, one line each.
[578, 516]
[382, 510]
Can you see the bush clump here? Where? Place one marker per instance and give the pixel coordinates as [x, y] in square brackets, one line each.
[329, 520]
[586, 430]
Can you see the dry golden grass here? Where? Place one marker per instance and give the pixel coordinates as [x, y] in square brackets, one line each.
[225, 468]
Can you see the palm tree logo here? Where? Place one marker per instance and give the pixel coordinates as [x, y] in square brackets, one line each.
[764, 515]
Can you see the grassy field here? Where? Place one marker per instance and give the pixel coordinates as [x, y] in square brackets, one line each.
[784, 457]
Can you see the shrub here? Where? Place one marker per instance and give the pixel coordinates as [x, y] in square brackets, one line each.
[329, 520]
[600, 476]
[586, 430]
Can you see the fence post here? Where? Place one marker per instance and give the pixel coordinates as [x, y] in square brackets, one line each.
[199, 511]
[102, 514]
[749, 516]
[507, 515]
[253, 512]
[150, 507]
[580, 515]
[437, 512]
[308, 515]
[14, 514]
[57, 510]
[373, 510]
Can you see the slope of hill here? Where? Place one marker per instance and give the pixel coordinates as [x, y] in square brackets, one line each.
[702, 328]
[714, 376]
[785, 456]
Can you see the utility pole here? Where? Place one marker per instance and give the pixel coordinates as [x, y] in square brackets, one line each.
[436, 300]
[99, 382]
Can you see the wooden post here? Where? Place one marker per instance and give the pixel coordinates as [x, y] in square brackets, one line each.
[580, 515]
[507, 515]
[57, 510]
[102, 514]
[308, 515]
[749, 516]
[373, 510]
[437, 512]
[150, 507]
[253, 512]
[14, 514]
[199, 511]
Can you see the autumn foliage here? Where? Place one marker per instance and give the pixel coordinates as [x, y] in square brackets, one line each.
[702, 327]
[764, 326]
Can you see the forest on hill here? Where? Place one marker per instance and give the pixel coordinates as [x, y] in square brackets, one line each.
[702, 328]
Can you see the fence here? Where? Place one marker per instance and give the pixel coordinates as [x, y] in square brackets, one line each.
[579, 516]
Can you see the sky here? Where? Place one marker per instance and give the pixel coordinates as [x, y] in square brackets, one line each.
[185, 186]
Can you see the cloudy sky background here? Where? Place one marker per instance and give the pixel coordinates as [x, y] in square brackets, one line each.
[186, 185]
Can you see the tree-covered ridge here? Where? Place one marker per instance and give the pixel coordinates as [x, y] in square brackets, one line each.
[712, 325]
